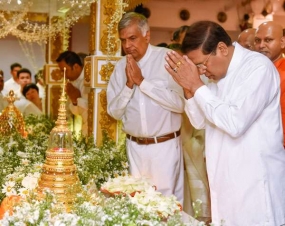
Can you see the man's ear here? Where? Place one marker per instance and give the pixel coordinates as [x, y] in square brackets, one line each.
[223, 48]
[147, 36]
[282, 42]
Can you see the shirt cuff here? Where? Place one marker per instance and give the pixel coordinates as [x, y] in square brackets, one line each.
[202, 96]
[127, 92]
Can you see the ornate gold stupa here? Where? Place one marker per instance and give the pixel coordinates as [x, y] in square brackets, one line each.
[59, 171]
[11, 118]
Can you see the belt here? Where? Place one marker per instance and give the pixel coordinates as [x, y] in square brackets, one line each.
[153, 140]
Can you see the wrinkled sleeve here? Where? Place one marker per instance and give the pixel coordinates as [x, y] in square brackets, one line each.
[118, 95]
[163, 95]
[237, 114]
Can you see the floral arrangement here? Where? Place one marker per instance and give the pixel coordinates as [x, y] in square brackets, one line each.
[22, 158]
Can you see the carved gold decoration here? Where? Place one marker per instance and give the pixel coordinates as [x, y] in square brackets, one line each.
[90, 112]
[109, 39]
[87, 71]
[56, 44]
[107, 123]
[56, 74]
[92, 31]
[11, 118]
[106, 71]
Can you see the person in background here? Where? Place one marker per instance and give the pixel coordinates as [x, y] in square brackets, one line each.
[240, 112]
[31, 92]
[25, 106]
[144, 96]
[196, 185]
[3, 103]
[178, 34]
[246, 38]
[269, 41]
[12, 83]
[75, 89]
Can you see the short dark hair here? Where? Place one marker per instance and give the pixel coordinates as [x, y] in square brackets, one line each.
[24, 70]
[70, 58]
[205, 35]
[1, 73]
[178, 31]
[28, 87]
[15, 65]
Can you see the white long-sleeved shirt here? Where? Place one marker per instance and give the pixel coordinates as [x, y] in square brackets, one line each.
[244, 145]
[82, 102]
[10, 84]
[152, 109]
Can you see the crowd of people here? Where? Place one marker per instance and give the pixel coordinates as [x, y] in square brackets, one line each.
[204, 107]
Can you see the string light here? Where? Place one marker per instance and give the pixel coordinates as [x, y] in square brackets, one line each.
[14, 20]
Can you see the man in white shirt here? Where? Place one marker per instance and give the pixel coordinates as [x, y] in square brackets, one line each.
[144, 96]
[3, 103]
[25, 106]
[75, 89]
[240, 112]
[12, 83]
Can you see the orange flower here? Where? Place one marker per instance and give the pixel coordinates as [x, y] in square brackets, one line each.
[8, 203]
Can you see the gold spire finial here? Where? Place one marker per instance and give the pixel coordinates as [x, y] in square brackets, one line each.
[61, 122]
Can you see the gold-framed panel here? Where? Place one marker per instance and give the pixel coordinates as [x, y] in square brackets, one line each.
[53, 75]
[103, 67]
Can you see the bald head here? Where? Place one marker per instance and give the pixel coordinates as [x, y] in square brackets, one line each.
[246, 38]
[269, 40]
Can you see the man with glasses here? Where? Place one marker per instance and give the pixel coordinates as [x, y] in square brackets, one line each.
[240, 112]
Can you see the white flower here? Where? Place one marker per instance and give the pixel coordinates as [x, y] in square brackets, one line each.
[25, 162]
[30, 182]
[8, 188]
[22, 154]
[23, 192]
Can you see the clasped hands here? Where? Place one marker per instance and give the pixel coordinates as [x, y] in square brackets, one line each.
[72, 92]
[184, 72]
[133, 72]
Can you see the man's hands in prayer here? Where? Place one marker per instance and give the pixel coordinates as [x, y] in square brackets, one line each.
[184, 72]
[133, 72]
[72, 92]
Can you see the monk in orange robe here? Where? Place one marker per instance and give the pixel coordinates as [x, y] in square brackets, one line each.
[270, 41]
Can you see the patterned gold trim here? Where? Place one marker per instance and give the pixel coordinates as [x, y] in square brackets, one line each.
[87, 71]
[92, 31]
[105, 121]
[90, 112]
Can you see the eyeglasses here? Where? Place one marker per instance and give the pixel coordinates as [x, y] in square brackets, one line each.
[205, 62]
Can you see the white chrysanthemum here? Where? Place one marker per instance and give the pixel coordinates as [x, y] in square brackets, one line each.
[9, 188]
[23, 192]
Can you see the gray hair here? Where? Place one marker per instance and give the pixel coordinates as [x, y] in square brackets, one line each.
[131, 18]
